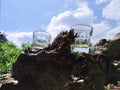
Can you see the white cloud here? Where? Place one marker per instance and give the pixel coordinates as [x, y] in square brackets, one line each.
[100, 27]
[111, 11]
[83, 14]
[101, 1]
[19, 37]
[99, 31]
[112, 32]
[103, 30]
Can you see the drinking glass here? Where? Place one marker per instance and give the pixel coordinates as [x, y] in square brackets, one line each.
[41, 39]
[82, 42]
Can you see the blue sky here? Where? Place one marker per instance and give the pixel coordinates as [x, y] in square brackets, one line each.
[19, 18]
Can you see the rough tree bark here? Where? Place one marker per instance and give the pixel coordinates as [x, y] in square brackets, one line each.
[57, 68]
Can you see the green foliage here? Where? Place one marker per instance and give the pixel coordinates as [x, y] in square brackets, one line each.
[8, 54]
[25, 45]
[79, 41]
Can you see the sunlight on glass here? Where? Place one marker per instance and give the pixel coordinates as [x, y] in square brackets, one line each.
[41, 39]
[82, 42]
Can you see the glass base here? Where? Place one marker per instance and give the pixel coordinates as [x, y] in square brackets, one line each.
[37, 48]
[76, 49]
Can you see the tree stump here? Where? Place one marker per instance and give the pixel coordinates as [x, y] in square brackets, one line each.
[57, 68]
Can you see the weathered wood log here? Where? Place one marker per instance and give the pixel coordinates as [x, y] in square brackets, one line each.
[57, 68]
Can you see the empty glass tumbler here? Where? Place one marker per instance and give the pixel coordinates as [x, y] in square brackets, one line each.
[41, 39]
[82, 42]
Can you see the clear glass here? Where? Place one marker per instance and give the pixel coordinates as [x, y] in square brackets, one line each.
[82, 42]
[41, 39]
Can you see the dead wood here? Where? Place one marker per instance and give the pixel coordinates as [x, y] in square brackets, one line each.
[57, 68]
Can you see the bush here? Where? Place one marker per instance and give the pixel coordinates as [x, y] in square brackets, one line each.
[8, 54]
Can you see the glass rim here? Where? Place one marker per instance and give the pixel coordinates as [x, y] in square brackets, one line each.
[90, 28]
[42, 32]
[83, 25]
